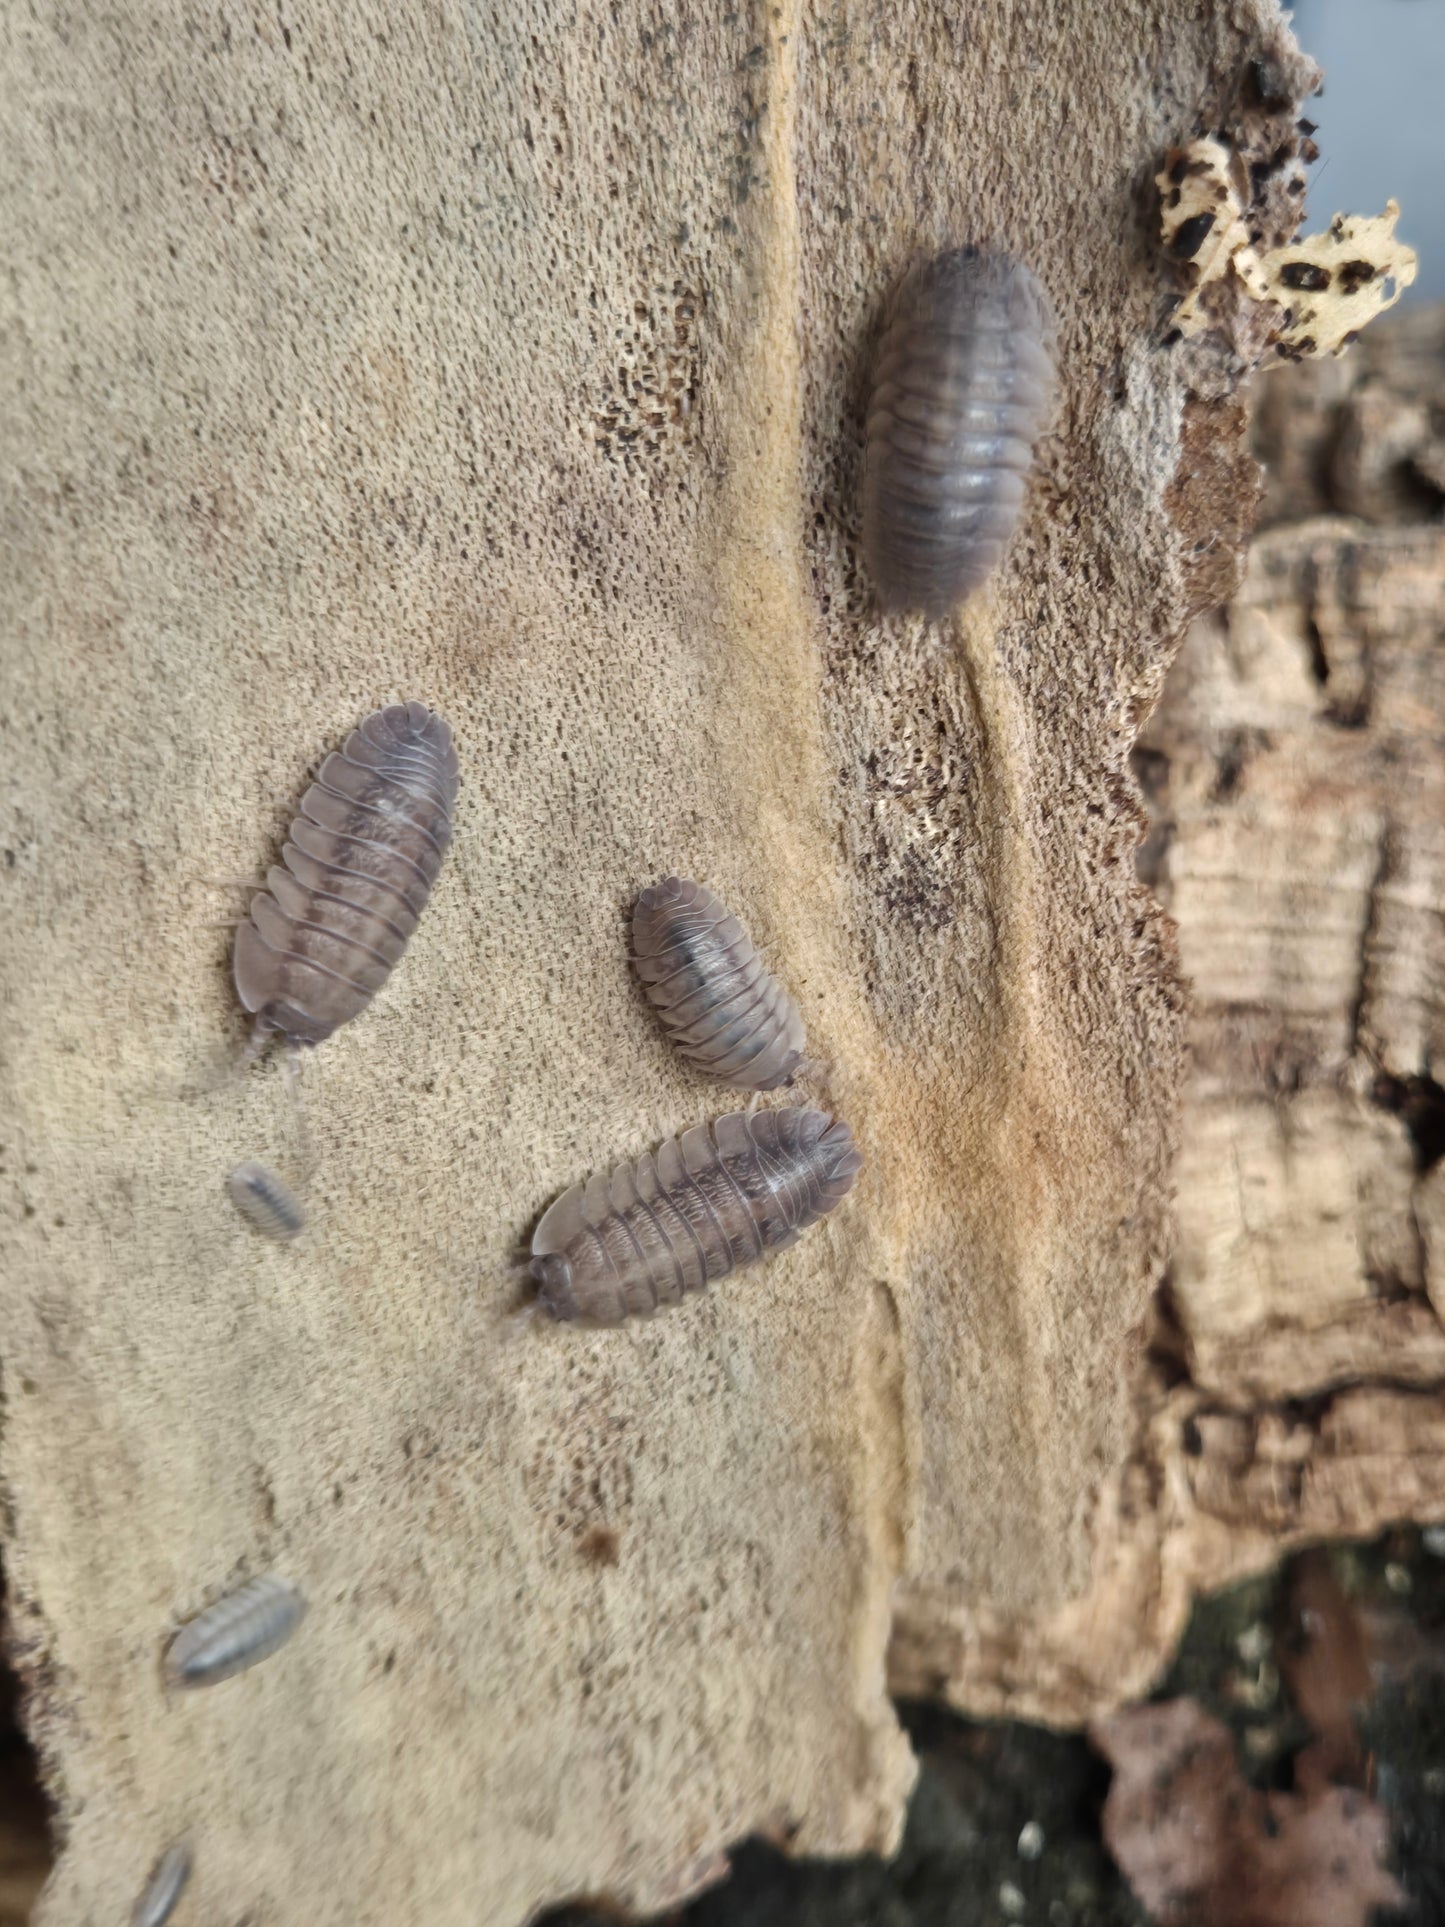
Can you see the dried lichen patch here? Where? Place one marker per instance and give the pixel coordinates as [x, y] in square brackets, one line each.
[1203, 224]
[1328, 285]
[1332, 284]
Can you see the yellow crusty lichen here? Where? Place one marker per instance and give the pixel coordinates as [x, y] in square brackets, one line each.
[1328, 285]
[1331, 284]
[1202, 188]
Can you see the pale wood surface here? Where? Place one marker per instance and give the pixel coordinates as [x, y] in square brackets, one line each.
[513, 358]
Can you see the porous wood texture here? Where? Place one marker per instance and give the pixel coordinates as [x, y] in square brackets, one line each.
[1292, 1382]
[513, 359]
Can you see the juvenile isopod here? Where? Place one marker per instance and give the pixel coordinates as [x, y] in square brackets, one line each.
[323, 936]
[164, 1888]
[245, 1627]
[707, 983]
[706, 1204]
[265, 1200]
[963, 384]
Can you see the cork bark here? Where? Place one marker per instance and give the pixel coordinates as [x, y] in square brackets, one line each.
[513, 359]
[1290, 1383]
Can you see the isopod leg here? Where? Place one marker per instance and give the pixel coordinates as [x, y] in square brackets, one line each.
[228, 1068]
[291, 1069]
[519, 1319]
[261, 1037]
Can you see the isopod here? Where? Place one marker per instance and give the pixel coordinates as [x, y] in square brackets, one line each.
[242, 1629]
[164, 1888]
[963, 384]
[324, 935]
[707, 983]
[265, 1200]
[706, 1204]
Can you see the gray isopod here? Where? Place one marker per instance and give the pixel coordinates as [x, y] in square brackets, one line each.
[708, 1203]
[324, 935]
[707, 983]
[963, 384]
[265, 1200]
[163, 1890]
[247, 1626]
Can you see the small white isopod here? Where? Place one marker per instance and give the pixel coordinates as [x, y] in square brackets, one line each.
[164, 1888]
[265, 1200]
[245, 1627]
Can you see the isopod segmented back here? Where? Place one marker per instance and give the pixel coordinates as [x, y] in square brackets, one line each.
[707, 983]
[239, 1631]
[962, 387]
[706, 1204]
[324, 935]
[265, 1200]
[162, 1892]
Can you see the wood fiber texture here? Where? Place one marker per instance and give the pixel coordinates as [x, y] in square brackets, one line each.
[1291, 1385]
[513, 359]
